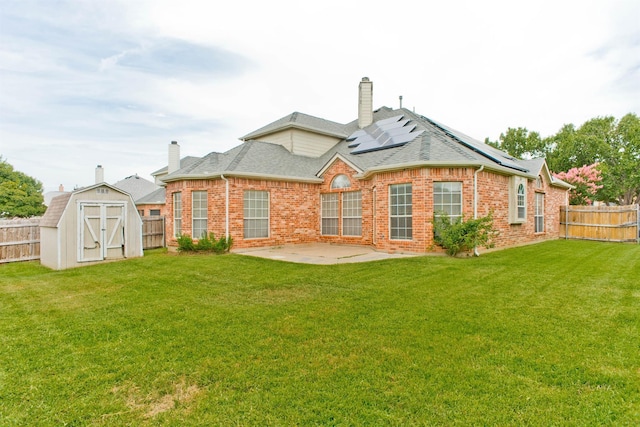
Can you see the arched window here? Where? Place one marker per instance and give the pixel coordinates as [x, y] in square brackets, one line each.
[340, 181]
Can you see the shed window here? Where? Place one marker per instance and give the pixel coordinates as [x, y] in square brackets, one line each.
[199, 211]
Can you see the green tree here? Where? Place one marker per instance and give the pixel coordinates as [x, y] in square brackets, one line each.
[20, 194]
[520, 143]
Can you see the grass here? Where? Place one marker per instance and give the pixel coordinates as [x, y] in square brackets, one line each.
[539, 335]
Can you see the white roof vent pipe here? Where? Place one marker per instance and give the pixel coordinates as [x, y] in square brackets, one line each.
[174, 157]
[365, 103]
[99, 174]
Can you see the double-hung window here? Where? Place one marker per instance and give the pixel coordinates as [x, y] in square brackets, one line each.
[447, 199]
[199, 212]
[539, 213]
[329, 213]
[400, 212]
[177, 214]
[352, 213]
[256, 214]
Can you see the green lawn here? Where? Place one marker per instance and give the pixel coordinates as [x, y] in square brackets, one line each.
[547, 334]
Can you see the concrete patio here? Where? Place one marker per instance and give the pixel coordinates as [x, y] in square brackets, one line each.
[322, 253]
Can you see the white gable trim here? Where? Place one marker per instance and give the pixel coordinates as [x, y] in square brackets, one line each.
[333, 160]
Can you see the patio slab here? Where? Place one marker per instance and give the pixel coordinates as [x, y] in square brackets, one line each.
[322, 253]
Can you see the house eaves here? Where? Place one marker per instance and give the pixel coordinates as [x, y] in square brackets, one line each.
[249, 175]
[335, 157]
[442, 164]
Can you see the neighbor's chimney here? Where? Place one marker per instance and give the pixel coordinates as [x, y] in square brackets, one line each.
[61, 188]
[174, 157]
[99, 174]
[365, 103]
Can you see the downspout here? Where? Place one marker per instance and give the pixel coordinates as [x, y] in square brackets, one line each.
[226, 207]
[475, 201]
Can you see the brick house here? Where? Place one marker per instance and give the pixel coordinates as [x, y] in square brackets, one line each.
[376, 181]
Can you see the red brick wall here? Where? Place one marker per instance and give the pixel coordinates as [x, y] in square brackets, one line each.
[295, 207]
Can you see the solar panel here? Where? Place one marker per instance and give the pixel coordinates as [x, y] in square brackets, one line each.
[383, 134]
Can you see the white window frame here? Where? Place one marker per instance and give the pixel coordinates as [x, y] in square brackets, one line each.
[199, 213]
[256, 204]
[352, 213]
[539, 213]
[401, 211]
[329, 214]
[177, 214]
[517, 200]
[447, 198]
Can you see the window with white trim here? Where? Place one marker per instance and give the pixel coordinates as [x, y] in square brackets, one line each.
[177, 214]
[256, 214]
[539, 213]
[329, 214]
[447, 199]
[199, 212]
[400, 212]
[340, 181]
[522, 207]
[352, 213]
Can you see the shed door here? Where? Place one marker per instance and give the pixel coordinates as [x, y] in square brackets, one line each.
[101, 231]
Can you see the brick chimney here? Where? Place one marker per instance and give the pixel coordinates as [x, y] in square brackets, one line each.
[365, 103]
[99, 174]
[174, 157]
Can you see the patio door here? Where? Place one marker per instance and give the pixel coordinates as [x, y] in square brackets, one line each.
[101, 231]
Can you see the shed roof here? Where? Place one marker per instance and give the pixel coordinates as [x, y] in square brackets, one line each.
[55, 210]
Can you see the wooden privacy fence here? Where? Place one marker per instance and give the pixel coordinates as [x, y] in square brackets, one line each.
[19, 239]
[606, 223]
[152, 232]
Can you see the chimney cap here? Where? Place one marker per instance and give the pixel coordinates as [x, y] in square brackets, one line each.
[365, 79]
[174, 142]
[99, 166]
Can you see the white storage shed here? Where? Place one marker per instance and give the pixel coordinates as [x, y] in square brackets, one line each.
[93, 224]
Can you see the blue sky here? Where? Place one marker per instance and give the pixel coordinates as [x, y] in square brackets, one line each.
[112, 82]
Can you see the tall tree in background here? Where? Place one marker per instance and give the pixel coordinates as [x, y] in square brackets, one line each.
[520, 143]
[20, 194]
[613, 145]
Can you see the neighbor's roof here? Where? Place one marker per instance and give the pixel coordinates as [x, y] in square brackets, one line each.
[185, 161]
[435, 145]
[154, 198]
[136, 186]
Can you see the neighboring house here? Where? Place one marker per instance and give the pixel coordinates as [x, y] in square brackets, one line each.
[376, 181]
[152, 204]
[141, 188]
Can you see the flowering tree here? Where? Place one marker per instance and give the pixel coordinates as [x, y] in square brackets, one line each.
[585, 179]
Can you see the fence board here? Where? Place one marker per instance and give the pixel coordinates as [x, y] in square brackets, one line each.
[152, 232]
[605, 223]
[19, 239]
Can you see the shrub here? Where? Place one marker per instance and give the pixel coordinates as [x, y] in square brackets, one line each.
[462, 234]
[207, 243]
[185, 243]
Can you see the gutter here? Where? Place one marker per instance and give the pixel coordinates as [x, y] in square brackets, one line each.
[249, 175]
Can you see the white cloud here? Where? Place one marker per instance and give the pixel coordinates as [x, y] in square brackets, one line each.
[113, 82]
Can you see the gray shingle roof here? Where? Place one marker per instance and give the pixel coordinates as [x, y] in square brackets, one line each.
[155, 197]
[55, 210]
[300, 121]
[136, 186]
[436, 145]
